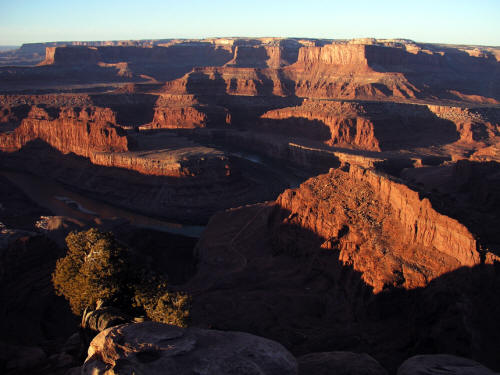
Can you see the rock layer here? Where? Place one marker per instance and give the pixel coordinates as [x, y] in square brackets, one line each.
[82, 131]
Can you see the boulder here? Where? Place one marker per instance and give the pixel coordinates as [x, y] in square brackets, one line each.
[442, 364]
[339, 363]
[156, 348]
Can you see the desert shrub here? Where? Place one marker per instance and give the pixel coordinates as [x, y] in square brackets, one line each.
[97, 267]
[94, 268]
[160, 304]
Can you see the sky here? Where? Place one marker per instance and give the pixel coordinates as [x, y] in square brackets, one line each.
[438, 21]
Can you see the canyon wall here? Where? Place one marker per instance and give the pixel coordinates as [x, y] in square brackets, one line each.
[380, 227]
[422, 224]
[473, 124]
[262, 57]
[350, 71]
[177, 117]
[92, 132]
[82, 131]
[187, 187]
[401, 57]
[359, 69]
[383, 126]
[70, 55]
[185, 112]
[207, 166]
[202, 54]
[338, 55]
[348, 259]
[399, 70]
[338, 123]
[229, 81]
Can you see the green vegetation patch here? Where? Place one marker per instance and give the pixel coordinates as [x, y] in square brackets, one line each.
[97, 267]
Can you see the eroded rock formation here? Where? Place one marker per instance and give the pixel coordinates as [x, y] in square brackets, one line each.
[380, 227]
[352, 254]
[82, 131]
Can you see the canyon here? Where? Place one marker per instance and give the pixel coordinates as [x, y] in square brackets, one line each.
[348, 189]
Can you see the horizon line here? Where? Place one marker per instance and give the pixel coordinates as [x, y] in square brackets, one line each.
[242, 37]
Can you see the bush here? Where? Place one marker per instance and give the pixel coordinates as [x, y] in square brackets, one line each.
[97, 267]
[161, 305]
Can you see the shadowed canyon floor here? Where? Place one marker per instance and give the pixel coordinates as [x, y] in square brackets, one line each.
[348, 191]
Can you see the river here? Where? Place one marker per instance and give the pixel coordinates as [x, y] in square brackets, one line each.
[63, 202]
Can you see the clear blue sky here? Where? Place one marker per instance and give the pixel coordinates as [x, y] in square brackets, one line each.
[447, 21]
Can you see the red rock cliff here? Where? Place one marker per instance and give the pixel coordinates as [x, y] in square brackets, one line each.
[81, 131]
[370, 57]
[228, 81]
[201, 54]
[342, 123]
[379, 126]
[380, 227]
[71, 55]
[334, 54]
[259, 57]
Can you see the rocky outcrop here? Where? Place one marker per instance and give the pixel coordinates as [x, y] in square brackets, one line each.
[468, 191]
[381, 70]
[91, 132]
[82, 131]
[177, 118]
[439, 363]
[185, 112]
[156, 348]
[75, 100]
[361, 259]
[241, 81]
[337, 123]
[367, 217]
[473, 124]
[372, 55]
[186, 54]
[345, 363]
[260, 57]
[71, 55]
[190, 163]
[422, 224]
[340, 55]
[271, 144]
[366, 126]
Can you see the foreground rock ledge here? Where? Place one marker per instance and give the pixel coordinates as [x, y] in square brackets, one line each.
[339, 363]
[442, 364]
[155, 348]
